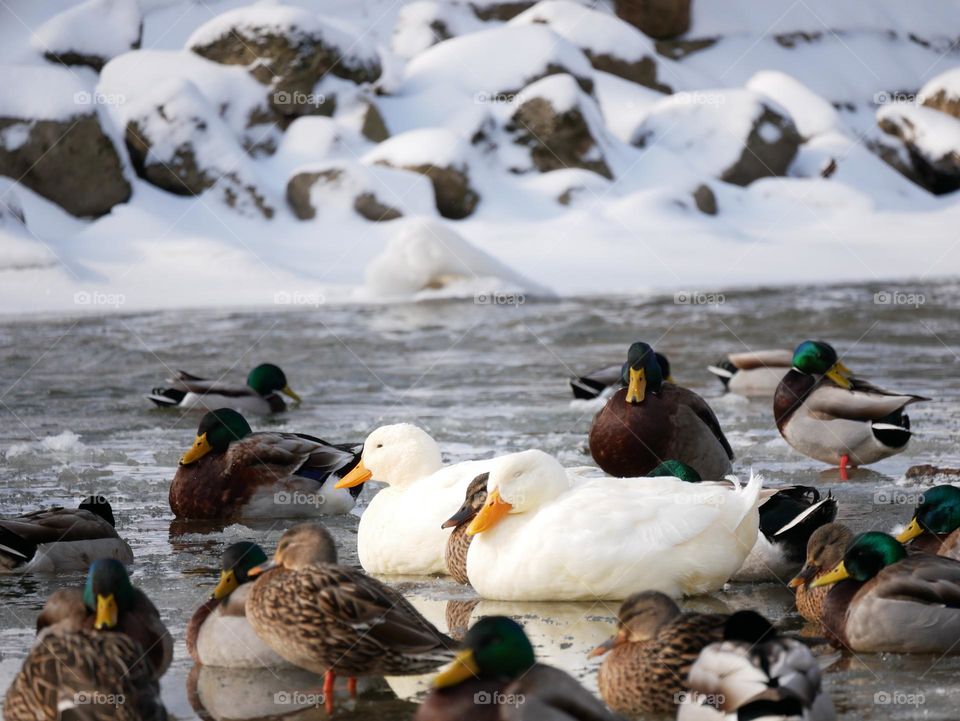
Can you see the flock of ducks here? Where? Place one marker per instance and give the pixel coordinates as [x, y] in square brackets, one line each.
[660, 520]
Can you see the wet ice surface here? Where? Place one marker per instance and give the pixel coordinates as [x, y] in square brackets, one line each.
[484, 380]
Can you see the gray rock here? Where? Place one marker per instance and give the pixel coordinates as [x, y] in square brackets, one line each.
[705, 199]
[456, 199]
[939, 175]
[660, 19]
[301, 187]
[763, 157]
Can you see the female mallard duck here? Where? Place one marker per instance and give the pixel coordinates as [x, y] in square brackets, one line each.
[231, 472]
[887, 601]
[595, 383]
[218, 633]
[825, 550]
[753, 373]
[825, 413]
[85, 675]
[646, 663]
[62, 539]
[935, 526]
[110, 602]
[650, 421]
[331, 619]
[754, 673]
[660, 534]
[401, 528]
[459, 542]
[497, 677]
[261, 394]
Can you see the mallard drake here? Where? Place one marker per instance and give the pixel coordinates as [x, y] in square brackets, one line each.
[459, 542]
[650, 421]
[496, 676]
[401, 530]
[645, 663]
[331, 619]
[109, 602]
[825, 550]
[231, 472]
[593, 384]
[219, 634]
[85, 674]
[889, 601]
[753, 373]
[261, 394]
[62, 539]
[660, 534]
[755, 673]
[935, 526]
[827, 414]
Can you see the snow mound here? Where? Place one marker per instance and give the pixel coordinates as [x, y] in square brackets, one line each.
[90, 33]
[65, 95]
[811, 113]
[423, 24]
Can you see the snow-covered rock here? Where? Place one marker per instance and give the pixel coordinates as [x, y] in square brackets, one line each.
[810, 113]
[425, 23]
[943, 93]
[661, 19]
[90, 33]
[733, 135]
[932, 139]
[18, 250]
[52, 141]
[499, 9]
[178, 142]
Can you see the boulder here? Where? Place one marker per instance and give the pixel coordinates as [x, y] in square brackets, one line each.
[705, 200]
[177, 142]
[90, 33]
[932, 141]
[374, 127]
[943, 93]
[425, 23]
[660, 19]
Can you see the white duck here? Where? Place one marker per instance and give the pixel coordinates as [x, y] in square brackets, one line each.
[539, 537]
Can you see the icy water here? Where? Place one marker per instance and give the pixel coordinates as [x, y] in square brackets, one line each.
[484, 380]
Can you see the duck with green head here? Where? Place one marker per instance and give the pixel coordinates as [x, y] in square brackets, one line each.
[935, 526]
[826, 413]
[887, 601]
[219, 634]
[231, 472]
[496, 676]
[261, 394]
[651, 420]
[596, 383]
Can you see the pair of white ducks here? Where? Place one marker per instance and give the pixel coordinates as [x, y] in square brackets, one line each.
[546, 532]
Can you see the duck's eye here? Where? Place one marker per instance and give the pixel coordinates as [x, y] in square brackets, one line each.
[379, 445]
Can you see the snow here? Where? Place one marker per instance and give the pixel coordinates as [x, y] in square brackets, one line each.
[933, 133]
[66, 94]
[417, 24]
[811, 114]
[947, 83]
[99, 28]
[435, 146]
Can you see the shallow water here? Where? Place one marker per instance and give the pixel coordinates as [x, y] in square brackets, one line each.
[484, 380]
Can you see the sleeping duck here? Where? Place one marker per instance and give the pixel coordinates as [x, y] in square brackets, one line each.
[231, 472]
[62, 539]
[651, 421]
[261, 394]
[826, 413]
[219, 634]
[753, 373]
[935, 526]
[595, 383]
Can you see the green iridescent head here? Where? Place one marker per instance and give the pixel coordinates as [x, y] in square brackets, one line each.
[108, 592]
[815, 357]
[867, 555]
[938, 512]
[676, 469]
[235, 563]
[495, 648]
[641, 372]
[268, 378]
[217, 430]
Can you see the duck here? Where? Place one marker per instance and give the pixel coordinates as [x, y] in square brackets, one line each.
[218, 633]
[595, 384]
[458, 543]
[823, 411]
[935, 525]
[651, 420]
[261, 394]
[540, 537]
[887, 601]
[231, 472]
[753, 373]
[825, 550]
[109, 602]
[496, 677]
[335, 620]
[401, 531]
[753, 673]
[645, 664]
[61, 539]
[85, 674]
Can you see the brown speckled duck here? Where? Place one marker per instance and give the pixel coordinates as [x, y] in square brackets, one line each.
[459, 542]
[651, 421]
[824, 551]
[646, 663]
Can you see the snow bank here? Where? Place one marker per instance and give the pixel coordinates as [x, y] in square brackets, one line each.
[811, 113]
[91, 33]
[65, 93]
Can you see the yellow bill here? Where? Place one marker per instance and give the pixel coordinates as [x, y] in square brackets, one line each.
[637, 389]
[287, 390]
[201, 447]
[493, 511]
[226, 585]
[107, 612]
[838, 573]
[463, 668]
[912, 530]
[836, 373]
[358, 475]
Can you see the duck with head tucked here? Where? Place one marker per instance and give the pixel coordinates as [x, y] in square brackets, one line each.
[826, 413]
[752, 373]
[231, 472]
[935, 526]
[650, 421]
[261, 394]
